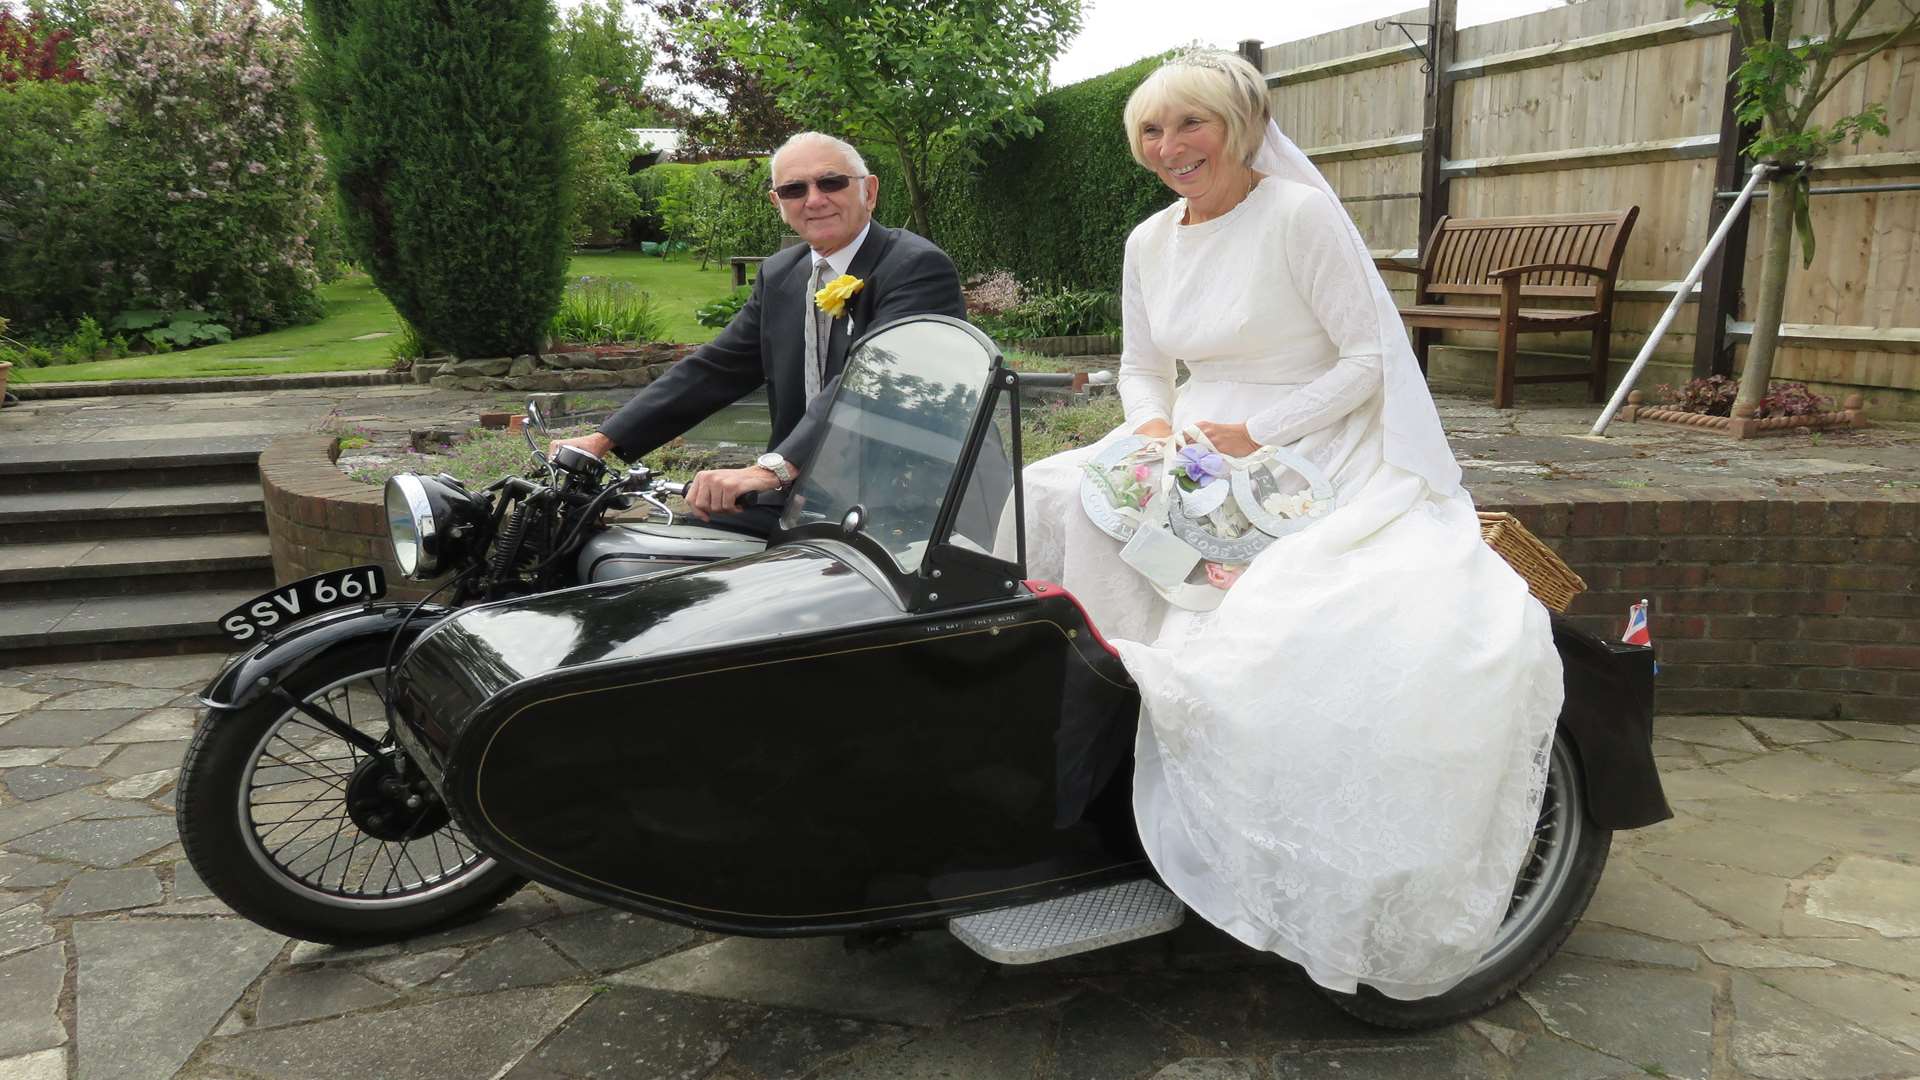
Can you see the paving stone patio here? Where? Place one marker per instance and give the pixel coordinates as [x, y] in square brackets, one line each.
[1771, 931]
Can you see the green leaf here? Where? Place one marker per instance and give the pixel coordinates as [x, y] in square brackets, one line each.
[138, 319]
[1803, 219]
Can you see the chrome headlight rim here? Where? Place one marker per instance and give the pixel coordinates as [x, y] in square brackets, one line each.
[426, 536]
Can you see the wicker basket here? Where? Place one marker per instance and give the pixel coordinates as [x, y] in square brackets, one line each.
[1551, 581]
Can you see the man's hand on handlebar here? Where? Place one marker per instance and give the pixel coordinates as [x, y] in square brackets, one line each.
[719, 491]
[596, 444]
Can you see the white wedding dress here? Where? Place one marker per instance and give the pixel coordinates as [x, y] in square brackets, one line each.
[1343, 762]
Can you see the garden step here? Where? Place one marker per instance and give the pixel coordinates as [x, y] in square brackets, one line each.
[121, 566]
[130, 463]
[118, 512]
[98, 627]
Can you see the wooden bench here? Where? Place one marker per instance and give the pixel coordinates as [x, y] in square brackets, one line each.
[1560, 257]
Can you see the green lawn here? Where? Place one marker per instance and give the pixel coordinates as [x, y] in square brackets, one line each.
[355, 309]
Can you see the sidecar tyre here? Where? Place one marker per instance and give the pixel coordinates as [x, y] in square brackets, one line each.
[1569, 853]
[303, 890]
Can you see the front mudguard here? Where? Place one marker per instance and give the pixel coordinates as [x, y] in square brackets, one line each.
[254, 674]
[1609, 716]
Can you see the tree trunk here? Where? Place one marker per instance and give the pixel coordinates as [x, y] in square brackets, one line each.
[1773, 295]
[916, 196]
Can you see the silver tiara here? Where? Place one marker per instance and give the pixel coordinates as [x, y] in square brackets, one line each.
[1216, 59]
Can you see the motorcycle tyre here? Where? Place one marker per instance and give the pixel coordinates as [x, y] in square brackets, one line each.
[216, 839]
[1482, 990]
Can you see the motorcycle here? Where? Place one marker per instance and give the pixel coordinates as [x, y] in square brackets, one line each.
[868, 722]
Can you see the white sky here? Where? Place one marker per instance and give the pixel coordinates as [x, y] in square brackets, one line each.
[1117, 32]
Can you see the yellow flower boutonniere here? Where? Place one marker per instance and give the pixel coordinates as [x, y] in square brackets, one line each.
[833, 297]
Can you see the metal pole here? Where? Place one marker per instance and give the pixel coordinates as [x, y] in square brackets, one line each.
[1760, 172]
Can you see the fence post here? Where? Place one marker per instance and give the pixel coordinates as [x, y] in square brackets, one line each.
[1254, 53]
[1436, 131]
[1720, 288]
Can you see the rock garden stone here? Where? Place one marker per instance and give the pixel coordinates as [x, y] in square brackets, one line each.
[108, 890]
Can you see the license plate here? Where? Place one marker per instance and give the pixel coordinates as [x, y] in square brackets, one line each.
[309, 596]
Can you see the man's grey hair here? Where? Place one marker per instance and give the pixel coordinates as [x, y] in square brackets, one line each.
[856, 165]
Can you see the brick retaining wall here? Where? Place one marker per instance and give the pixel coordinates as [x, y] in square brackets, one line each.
[319, 519]
[1807, 604]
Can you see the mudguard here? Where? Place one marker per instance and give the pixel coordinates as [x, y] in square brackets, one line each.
[255, 673]
[1609, 716]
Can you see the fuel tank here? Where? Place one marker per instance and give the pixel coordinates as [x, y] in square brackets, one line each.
[773, 745]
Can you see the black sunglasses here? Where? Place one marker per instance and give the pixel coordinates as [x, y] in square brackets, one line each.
[828, 184]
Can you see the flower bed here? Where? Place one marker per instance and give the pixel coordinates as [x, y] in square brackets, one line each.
[1852, 413]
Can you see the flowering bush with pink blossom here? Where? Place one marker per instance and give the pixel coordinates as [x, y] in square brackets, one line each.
[209, 183]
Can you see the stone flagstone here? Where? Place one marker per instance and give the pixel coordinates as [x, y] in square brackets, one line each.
[1881, 758]
[1613, 945]
[1875, 893]
[15, 700]
[920, 981]
[23, 927]
[1792, 772]
[1791, 732]
[42, 781]
[632, 1032]
[1894, 957]
[150, 990]
[1776, 1037]
[1755, 954]
[85, 757]
[39, 1065]
[18, 821]
[1909, 733]
[49, 727]
[1002, 1047]
[517, 960]
[32, 755]
[1754, 900]
[607, 940]
[29, 995]
[137, 759]
[1730, 844]
[1842, 830]
[1887, 1007]
[1724, 732]
[317, 992]
[143, 785]
[108, 890]
[413, 969]
[1547, 1058]
[460, 1039]
[1424, 1060]
[1211, 1069]
[160, 725]
[1650, 1018]
[114, 697]
[110, 843]
[1102, 1035]
[1631, 900]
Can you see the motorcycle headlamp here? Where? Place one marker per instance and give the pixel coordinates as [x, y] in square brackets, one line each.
[424, 519]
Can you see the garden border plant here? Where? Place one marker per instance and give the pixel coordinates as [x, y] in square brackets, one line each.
[1709, 404]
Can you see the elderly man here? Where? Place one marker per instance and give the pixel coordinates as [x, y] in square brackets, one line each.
[781, 338]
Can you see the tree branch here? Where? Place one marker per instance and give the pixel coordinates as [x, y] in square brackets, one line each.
[1821, 92]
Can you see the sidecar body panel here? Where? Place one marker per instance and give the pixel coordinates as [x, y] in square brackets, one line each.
[772, 745]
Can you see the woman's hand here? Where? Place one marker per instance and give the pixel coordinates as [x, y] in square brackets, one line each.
[1154, 429]
[1229, 439]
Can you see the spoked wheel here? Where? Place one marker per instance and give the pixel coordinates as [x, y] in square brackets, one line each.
[323, 836]
[1556, 881]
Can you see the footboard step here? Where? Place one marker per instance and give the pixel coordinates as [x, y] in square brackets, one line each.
[1072, 924]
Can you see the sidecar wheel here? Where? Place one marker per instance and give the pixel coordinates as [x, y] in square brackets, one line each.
[284, 821]
[1556, 881]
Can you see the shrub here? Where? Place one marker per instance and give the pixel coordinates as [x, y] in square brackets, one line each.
[596, 311]
[1715, 396]
[721, 312]
[32, 52]
[992, 294]
[718, 208]
[601, 148]
[209, 185]
[1058, 312]
[446, 134]
[52, 254]
[165, 330]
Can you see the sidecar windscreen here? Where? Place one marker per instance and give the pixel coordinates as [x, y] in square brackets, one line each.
[896, 435]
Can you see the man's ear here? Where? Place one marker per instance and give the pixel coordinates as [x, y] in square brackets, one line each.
[774, 198]
[873, 190]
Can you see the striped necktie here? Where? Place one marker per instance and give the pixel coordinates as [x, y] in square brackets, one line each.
[819, 331]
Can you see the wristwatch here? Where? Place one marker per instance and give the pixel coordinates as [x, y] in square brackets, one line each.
[776, 465]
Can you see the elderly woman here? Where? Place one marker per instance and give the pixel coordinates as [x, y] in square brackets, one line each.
[1343, 761]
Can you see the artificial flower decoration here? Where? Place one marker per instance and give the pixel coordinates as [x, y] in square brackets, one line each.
[832, 297]
[1201, 466]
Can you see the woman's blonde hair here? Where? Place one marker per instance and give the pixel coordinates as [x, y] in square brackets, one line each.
[1221, 84]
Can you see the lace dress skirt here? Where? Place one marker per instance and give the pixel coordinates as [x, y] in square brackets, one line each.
[1343, 763]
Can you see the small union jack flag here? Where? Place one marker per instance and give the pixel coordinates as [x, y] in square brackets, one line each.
[1637, 632]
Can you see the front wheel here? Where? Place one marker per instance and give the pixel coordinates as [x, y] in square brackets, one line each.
[1557, 879]
[320, 837]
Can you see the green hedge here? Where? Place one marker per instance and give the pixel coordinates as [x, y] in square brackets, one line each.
[1054, 209]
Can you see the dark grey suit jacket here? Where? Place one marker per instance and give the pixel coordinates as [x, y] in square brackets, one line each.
[905, 275]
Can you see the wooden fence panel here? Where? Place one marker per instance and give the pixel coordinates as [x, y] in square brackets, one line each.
[1611, 103]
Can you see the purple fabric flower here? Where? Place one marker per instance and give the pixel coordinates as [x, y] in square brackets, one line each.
[1202, 467]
